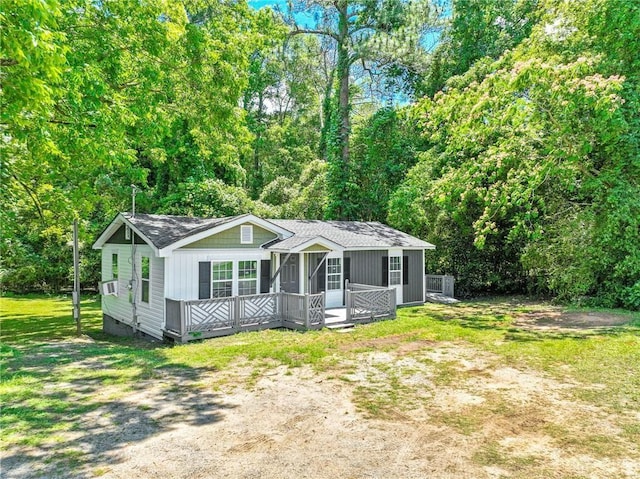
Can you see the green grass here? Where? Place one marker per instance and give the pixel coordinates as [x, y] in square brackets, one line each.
[50, 379]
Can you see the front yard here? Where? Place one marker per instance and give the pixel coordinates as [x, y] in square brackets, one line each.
[490, 389]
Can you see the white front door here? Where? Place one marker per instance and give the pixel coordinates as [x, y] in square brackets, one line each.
[334, 284]
[395, 273]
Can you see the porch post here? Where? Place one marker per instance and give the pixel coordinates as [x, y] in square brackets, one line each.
[236, 312]
[183, 321]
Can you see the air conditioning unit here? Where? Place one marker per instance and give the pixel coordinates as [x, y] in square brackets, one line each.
[109, 288]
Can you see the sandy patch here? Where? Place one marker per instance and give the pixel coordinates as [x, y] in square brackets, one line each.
[488, 421]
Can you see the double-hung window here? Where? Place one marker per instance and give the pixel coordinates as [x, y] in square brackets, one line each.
[146, 279]
[334, 273]
[114, 266]
[247, 277]
[395, 270]
[222, 279]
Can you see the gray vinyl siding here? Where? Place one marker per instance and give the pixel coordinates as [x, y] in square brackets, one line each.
[231, 239]
[413, 292]
[366, 266]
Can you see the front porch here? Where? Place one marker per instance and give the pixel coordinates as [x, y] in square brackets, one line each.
[188, 320]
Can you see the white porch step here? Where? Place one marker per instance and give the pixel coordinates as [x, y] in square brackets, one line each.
[339, 326]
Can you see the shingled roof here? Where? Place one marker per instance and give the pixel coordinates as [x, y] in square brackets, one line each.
[163, 230]
[349, 234]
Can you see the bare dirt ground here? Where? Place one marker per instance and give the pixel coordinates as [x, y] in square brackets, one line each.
[572, 320]
[420, 410]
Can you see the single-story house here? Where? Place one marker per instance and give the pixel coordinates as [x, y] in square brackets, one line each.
[185, 278]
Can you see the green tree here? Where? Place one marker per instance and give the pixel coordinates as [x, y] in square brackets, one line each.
[371, 34]
[532, 179]
[385, 146]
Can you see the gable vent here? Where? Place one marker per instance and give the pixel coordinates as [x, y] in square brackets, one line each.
[246, 234]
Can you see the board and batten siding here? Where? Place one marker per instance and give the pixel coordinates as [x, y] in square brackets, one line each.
[182, 268]
[366, 266]
[150, 316]
[231, 239]
[413, 292]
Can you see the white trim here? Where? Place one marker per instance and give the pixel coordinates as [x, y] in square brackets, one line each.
[320, 240]
[113, 228]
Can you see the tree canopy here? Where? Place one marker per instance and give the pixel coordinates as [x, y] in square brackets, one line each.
[513, 144]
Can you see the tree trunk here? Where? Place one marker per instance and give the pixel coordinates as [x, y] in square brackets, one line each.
[343, 78]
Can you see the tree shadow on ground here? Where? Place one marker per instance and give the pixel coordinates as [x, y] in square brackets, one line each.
[71, 405]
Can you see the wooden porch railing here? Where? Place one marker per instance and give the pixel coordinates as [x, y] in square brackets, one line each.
[442, 284]
[366, 303]
[207, 318]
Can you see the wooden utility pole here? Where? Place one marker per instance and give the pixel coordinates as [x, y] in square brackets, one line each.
[76, 279]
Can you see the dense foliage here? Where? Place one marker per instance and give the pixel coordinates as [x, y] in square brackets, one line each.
[532, 180]
[521, 160]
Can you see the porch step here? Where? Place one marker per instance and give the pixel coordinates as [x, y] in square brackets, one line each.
[340, 326]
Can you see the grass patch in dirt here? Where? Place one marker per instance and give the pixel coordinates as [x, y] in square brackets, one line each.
[51, 380]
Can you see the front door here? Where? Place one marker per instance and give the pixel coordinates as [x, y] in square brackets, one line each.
[289, 276]
[395, 273]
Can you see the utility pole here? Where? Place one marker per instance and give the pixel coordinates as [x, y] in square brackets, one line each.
[76, 279]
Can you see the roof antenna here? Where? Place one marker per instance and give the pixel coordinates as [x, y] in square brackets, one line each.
[133, 201]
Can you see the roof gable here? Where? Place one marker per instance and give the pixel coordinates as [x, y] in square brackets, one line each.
[166, 233]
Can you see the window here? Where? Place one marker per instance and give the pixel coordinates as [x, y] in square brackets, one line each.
[222, 279]
[334, 273]
[247, 277]
[114, 266]
[145, 269]
[395, 270]
[127, 232]
[246, 234]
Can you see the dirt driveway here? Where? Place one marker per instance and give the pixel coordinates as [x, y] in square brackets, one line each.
[423, 410]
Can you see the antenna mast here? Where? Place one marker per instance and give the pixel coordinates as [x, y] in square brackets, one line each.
[133, 200]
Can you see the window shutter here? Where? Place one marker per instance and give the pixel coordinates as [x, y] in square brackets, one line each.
[265, 275]
[385, 271]
[347, 269]
[405, 270]
[204, 280]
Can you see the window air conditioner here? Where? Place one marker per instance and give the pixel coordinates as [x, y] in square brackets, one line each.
[109, 288]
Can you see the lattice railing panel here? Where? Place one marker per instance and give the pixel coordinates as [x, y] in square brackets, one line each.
[258, 309]
[371, 304]
[316, 309]
[209, 314]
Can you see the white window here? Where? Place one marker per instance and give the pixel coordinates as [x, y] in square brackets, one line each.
[221, 279]
[114, 266]
[395, 270]
[246, 234]
[247, 277]
[146, 279]
[334, 273]
[127, 232]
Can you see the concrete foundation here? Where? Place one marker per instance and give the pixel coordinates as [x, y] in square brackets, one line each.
[115, 327]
